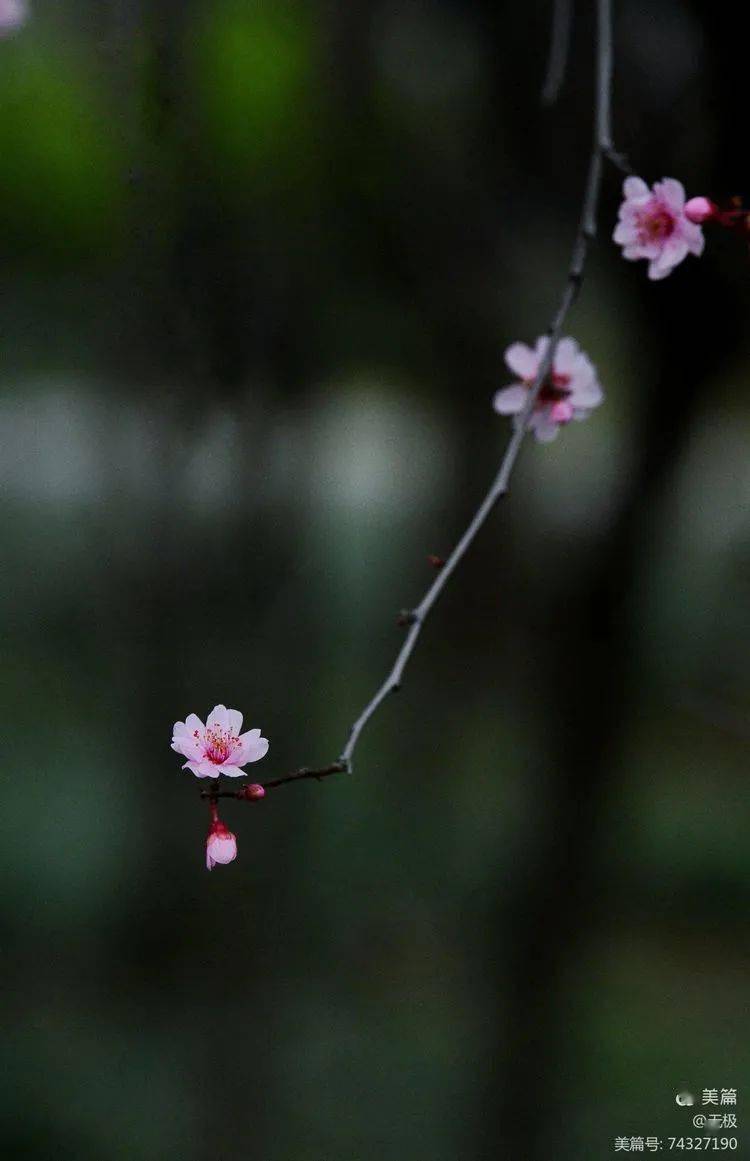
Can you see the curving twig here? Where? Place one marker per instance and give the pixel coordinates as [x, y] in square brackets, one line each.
[602, 149]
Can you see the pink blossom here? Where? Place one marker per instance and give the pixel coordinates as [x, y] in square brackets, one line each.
[571, 391]
[221, 844]
[653, 225]
[218, 747]
[13, 14]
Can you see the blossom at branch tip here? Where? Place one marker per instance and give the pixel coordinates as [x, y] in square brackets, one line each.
[653, 225]
[570, 391]
[218, 747]
[13, 15]
[221, 845]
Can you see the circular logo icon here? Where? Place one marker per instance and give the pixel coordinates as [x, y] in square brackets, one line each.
[684, 1098]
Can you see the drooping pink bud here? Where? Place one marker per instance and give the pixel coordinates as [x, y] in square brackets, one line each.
[699, 210]
[221, 845]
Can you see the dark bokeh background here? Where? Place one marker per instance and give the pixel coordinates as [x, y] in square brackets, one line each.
[259, 265]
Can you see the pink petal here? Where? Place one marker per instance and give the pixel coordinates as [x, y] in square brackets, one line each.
[657, 272]
[587, 395]
[234, 719]
[193, 722]
[510, 400]
[625, 233]
[582, 373]
[254, 747]
[676, 249]
[650, 250]
[218, 718]
[188, 746]
[234, 757]
[521, 360]
[546, 430]
[693, 235]
[635, 187]
[230, 770]
[673, 252]
[202, 769]
[672, 192]
[566, 353]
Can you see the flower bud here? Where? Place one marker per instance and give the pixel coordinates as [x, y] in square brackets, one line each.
[253, 791]
[561, 412]
[221, 845]
[699, 210]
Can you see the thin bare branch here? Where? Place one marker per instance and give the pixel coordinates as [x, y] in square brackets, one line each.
[559, 48]
[601, 150]
[602, 145]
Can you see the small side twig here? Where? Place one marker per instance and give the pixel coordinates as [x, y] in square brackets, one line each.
[215, 791]
[619, 160]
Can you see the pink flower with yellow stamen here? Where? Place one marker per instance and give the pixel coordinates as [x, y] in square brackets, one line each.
[218, 747]
[653, 224]
[570, 391]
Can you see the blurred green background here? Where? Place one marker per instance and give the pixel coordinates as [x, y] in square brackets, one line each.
[260, 262]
